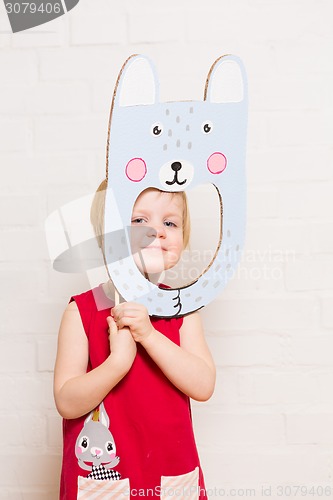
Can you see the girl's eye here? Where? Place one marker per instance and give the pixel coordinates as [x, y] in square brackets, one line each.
[139, 220]
[207, 127]
[157, 129]
[168, 223]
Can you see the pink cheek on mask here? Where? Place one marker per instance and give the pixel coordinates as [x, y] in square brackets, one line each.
[112, 456]
[216, 163]
[136, 169]
[79, 450]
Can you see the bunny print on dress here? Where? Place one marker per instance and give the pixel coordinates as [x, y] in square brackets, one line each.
[95, 444]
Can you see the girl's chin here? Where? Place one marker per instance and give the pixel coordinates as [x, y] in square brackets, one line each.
[151, 266]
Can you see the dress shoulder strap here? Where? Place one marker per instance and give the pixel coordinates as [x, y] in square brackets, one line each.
[89, 304]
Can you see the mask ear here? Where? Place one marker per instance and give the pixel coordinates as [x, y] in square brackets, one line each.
[226, 81]
[137, 83]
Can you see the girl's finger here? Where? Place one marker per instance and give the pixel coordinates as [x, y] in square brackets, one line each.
[112, 325]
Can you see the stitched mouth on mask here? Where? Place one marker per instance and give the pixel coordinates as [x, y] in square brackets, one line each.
[176, 181]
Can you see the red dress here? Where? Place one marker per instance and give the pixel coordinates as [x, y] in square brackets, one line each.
[149, 418]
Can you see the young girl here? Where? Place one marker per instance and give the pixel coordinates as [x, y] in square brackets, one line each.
[143, 369]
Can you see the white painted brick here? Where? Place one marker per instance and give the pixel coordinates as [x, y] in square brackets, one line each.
[34, 469]
[10, 430]
[12, 163]
[5, 29]
[23, 245]
[221, 429]
[297, 128]
[280, 21]
[46, 353]
[102, 92]
[274, 313]
[276, 239]
[54, 431]
[290, 388]
[311, 351]
[21, 282]
[307, 56]
[82, 63]
[309, 428]
[306, 200]
[33, 431]
[15, 134]
[54, 133]
[155, 27]
[17, 356]
[47, 392]
[275, 465]
[258, 129]
[286, 94]
[30, 392]
[89, 27]
[19, 210]
[324, 381]
[310, 273]
[263, 201]
[59, 98]
[259, 272]
[217, 23]
[246, 350]
[35, 317]
[18, 66]
[62, 170]
[8, 391]
[306, 163]
[53, 34]
[12, 98]
[226, 387]
[321, 239]
[37, 493]
[62, 285]
[327, 312]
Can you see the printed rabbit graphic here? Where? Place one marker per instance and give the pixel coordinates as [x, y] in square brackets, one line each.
[95, 447]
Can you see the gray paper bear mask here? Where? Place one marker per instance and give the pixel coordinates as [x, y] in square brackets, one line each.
[173, 146]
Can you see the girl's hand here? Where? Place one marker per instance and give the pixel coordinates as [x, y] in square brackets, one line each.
[122, 345]
[135, 317]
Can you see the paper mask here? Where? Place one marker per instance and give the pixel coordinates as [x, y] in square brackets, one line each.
[173, 146]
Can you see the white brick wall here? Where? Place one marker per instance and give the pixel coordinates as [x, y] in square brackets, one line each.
[269, 422]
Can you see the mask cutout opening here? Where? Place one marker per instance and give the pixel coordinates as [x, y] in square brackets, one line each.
[205, 208]
[164, 222]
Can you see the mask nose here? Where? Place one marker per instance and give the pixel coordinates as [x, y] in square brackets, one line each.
[176, 166]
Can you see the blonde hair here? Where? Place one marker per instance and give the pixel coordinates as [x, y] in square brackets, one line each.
[98, 207]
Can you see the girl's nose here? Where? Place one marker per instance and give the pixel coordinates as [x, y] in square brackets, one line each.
[158, 231]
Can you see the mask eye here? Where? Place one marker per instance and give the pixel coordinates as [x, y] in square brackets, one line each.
[84, 442]
[207, 127]
[156, 129]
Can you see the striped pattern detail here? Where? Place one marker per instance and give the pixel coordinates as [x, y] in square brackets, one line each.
[91, 489]
[186, 485]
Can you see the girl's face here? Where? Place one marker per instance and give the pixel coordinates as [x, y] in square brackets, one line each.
[157, 231]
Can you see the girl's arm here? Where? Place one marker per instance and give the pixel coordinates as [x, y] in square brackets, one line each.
[190, 366]
[75, 391]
